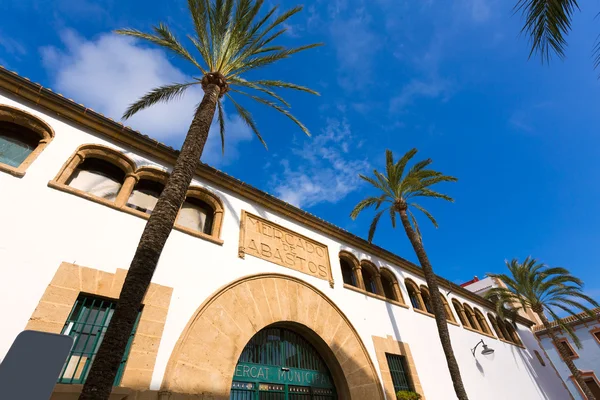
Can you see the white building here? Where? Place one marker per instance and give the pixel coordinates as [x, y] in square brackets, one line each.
[586, 358]
[250, 293]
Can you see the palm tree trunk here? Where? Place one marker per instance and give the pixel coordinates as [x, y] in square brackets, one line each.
[438, 307]
[563, 354]
[98, 385]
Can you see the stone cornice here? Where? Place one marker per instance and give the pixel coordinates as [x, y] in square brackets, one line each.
[93, 121]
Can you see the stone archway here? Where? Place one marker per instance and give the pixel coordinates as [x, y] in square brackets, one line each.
[208, 349]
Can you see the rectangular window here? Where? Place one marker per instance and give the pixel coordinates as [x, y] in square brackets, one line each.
[597, 335]
[87, 324]
[399, 372]
[567, 348]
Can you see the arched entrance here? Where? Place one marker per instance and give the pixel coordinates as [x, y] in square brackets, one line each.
[280, 364]
[208, 350]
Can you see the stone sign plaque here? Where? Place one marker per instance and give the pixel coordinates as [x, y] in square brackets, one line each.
[269, 241]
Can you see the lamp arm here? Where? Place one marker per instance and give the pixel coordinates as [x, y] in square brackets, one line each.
[475, 348]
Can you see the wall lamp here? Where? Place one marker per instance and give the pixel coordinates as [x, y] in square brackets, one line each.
[486, 350]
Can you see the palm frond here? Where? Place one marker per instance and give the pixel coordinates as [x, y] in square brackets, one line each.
[431, 193]
[276, 107]
[160, 94]
[163, 38]
[547, 22]
[373, 225]
[247, 118]
[427, 214]
[366, 203]
[253, 85]
[286, 85]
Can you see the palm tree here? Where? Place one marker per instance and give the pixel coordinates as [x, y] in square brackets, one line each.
[547, 22]
[533, 285]
[398, 192]
[232, 38]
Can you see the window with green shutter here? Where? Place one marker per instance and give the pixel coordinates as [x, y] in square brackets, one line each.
[399, 372]
[87, 324]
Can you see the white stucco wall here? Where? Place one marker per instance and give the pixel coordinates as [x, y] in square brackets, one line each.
[44, 227]
[588, 355]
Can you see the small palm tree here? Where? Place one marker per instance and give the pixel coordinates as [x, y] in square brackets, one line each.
[547, 22]
[399, 188]
[232, 38]
[533, 285]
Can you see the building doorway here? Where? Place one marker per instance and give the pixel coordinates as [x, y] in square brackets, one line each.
[279, 364]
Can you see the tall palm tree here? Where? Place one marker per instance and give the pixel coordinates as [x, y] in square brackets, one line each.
[232, 38]
[533, 285]
[547, 23]
[398, 192]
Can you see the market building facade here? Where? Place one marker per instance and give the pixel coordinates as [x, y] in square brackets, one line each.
[252, 298]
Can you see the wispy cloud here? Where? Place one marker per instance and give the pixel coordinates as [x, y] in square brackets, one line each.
[12, 46]
[110, 72]
[416, 89]
[327, 170]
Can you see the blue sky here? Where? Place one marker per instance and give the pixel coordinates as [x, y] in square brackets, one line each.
[449, 78]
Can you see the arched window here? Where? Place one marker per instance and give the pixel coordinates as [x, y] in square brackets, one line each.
[147, 190]
[97, 171]
[201, 212]
[391, 290]
[502, 327]
[485, 328]
[369, 275]
[449, 314]
[461, 313]
[349, 264]
[512, 333]
[98, 177]
[414, 294]
[495, 326]
[471, 317]
[426, 297]
[22, 138]
[107, 176]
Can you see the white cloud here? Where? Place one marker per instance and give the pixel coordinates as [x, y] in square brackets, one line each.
[110, 72]
[325, 170]
[356, 44]
[11, 46]
[419, 89]
[480, 10]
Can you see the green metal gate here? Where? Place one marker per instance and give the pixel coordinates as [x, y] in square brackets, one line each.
[278, 364]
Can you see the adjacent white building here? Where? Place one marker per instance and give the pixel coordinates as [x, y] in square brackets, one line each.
[586, 358]
[252, 298]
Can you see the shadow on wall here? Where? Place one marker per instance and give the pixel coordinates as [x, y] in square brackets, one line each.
[527, 359]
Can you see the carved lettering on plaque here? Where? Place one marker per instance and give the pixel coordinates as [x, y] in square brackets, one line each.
[264, 239]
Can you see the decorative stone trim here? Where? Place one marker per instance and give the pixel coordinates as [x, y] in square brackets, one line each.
[204, 358]
[375, 296]
[584, 374]
[391, 346]
[595, 332]
[132, 176]
[356, 269]
[70, 280]
[368, 265]
[411, 285]
[32, 123]
[483, 333]
[575, 355]
[396, 285]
